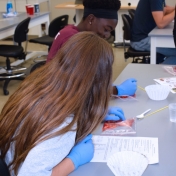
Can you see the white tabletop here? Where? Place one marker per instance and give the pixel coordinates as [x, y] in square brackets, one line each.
[167, 31]
[6, 23]
[156, 125]
[8, 26]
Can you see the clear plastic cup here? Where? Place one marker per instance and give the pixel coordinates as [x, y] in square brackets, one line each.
[172, 112]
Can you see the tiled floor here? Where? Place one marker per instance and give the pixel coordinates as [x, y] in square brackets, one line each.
[118, 66]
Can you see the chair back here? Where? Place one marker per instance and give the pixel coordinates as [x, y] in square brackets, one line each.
[4, 171]
[131, 13]
[21, 31]
[57, 24]
[127, 22]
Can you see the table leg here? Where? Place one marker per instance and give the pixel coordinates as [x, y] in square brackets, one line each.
[153, 50]
[47, 24]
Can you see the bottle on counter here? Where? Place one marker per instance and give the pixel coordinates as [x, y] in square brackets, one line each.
[9, 6]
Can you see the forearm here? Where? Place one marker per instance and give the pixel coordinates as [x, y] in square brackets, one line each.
[64, 168]
[168, 10]
[168, 18]
[163, 20]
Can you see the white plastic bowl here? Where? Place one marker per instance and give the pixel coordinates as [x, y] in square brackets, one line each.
[157, 92]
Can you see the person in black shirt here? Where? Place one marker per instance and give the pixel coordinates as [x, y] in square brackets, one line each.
[148, 15]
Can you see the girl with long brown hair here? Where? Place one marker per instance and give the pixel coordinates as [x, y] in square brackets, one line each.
[45, 125]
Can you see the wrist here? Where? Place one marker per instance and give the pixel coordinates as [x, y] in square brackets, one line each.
[73, 160]
[115, 90]
[70, 164]
[64, 168]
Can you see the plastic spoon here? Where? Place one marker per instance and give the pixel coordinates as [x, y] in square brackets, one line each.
[143, 114]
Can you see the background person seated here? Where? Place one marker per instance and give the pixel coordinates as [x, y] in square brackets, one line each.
[148, 15]
[100, 16]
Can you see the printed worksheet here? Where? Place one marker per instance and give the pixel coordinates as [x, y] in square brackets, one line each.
[170, 81]
[105, 146]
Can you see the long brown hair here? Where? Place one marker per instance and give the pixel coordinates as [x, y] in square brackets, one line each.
[77, 81]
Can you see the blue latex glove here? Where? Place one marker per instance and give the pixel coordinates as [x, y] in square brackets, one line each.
[128, 87]
[115, 113]
[83, 152]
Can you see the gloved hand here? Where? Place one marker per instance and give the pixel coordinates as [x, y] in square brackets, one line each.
[115, 113]
[82, 152]
[128, 87]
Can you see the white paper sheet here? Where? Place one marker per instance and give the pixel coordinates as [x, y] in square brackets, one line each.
[107, 145]
[170, 81]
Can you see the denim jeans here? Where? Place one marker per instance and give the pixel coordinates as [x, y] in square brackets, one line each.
[170, 60]
[142, 45]
[168, 55]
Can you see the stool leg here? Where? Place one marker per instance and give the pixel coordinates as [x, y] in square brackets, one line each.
[8, 63]
[6, 92]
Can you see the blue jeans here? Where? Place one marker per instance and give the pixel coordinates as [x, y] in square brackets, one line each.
[168, 53]
[170, 60]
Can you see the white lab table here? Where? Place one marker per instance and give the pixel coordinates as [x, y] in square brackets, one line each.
[157, 125]
[161, 38]
[8, 25]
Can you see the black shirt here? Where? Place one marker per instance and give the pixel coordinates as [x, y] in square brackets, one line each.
[143, 21]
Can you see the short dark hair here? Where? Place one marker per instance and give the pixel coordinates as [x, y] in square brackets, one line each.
[102, 4]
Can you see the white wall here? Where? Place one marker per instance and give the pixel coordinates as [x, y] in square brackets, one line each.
[54, 12]
[58, 12]
[20, 6]
[133, 2]
[171, 2]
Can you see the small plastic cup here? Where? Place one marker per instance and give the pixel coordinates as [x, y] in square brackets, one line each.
[31, 10]
[172, 112]
[27, 8]
[36, 8]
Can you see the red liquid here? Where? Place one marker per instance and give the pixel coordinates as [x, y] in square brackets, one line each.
[31, 10]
